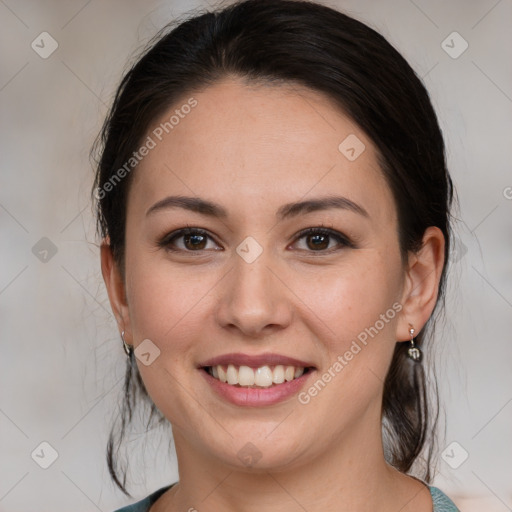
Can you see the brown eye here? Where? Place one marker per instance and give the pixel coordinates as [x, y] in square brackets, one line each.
[193, 240]
[319, 239]
[196, 240]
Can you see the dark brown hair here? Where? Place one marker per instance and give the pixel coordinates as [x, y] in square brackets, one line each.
[307, 44]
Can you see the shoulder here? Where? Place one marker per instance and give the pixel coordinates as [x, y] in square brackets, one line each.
[441, 502]
[143, 505]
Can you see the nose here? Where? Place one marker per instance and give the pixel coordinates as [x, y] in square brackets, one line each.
[253, 299]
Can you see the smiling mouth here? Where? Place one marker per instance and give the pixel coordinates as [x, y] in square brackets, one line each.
[262, 377]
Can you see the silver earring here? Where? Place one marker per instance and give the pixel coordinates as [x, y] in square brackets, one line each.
[413, 351]
[127, 348]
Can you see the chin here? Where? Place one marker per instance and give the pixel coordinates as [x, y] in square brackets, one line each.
[257, 453]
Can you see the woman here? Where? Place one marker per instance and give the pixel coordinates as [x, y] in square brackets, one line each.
[274, 205]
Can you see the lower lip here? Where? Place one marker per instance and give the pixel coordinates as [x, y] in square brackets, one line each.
[256, 397]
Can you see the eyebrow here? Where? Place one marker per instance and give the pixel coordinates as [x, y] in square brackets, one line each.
[211, 209]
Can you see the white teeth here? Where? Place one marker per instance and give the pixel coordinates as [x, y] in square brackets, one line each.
[232, 375]
[222, 374]
[298, 372]
[264, 376]
[289, 373]
[246, 376]
[278, 374]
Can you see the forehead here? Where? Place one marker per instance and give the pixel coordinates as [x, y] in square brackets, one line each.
[263, 143]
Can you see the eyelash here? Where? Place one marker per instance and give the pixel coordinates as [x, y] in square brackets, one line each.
[344, 241]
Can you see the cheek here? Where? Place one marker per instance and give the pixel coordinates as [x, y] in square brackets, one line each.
[357, 307]
[168, 308]
[162, 298]
[352, 297]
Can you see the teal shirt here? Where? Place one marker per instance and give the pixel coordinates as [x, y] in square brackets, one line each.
[441, 502]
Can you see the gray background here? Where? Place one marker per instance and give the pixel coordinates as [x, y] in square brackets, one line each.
[62, 364]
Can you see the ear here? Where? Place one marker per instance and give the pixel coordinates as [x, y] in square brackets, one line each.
[421, 283]
[116, 289]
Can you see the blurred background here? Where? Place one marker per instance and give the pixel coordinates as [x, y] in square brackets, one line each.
[62, 363]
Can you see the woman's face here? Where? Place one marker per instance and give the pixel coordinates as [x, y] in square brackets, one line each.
[251, 291]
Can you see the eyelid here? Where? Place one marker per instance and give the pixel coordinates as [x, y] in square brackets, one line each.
[342, 239]
[165, 241]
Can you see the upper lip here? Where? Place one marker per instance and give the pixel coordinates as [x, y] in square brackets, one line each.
[255, 361]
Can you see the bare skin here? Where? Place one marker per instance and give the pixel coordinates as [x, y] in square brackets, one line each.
[252, 149]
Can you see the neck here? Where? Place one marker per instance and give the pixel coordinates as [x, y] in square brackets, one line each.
[351, 474]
